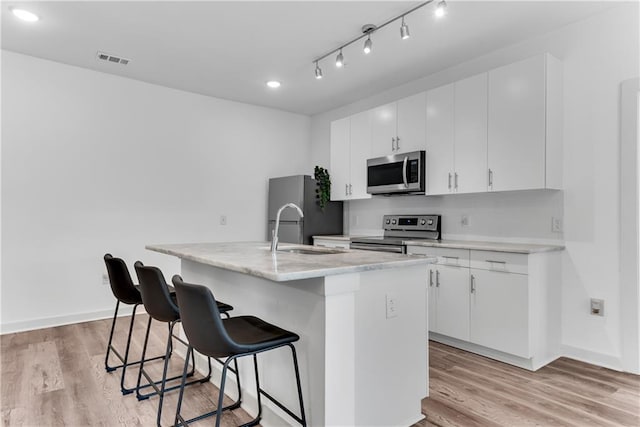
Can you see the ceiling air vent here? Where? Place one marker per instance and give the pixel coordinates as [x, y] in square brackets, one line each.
[111, 58]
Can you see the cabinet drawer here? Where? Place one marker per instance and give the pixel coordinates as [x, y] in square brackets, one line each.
[499, 261]
[328, 243]
[453, 257]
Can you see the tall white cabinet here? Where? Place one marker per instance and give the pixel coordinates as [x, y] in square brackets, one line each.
[525, 132]
[350, 147]
[456, 119]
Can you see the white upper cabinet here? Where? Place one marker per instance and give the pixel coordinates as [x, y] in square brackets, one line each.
[359, 153]
[350, 149]
[440, 140]
[524, 137]
[457, 137]
[470, 147]
[398, 127]
[340, 158]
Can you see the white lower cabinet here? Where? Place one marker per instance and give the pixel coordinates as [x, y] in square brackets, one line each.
[498, 304]
[500, 311]
[449, 292]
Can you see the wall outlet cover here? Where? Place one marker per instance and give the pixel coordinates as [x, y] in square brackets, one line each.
[597, 307]
[556, 224]
[223, 220]
[392, 308]
[464, 220]
[105, 279]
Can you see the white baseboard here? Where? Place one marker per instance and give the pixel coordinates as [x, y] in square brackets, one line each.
[48, 322]
[592, 357]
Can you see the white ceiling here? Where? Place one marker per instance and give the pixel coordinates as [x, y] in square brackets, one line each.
[230, 49]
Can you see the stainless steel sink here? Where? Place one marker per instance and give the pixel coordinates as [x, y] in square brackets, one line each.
[311, 251]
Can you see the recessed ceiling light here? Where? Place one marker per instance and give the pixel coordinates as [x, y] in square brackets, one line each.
[25, 15]
[273, 84]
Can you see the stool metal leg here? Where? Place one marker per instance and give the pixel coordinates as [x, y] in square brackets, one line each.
[126, 354]
[113, 326]
[303, 418]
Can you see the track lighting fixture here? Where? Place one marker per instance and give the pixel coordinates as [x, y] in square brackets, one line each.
[368, 29]
[340, 60]
[367, 45]
[404, 30]
[441, 9]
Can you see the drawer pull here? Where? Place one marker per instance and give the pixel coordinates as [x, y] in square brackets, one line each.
[495, 262]
[473, 284]
[437, 279]
[450, 257]
[431, 278]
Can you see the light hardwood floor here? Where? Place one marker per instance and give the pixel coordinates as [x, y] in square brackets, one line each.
[56, 376]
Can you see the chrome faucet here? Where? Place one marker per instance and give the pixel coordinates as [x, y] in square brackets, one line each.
[274, 233]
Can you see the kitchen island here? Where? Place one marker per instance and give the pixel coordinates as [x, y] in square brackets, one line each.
[361, 317]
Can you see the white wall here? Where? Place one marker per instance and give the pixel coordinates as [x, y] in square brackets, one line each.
[94, 163]
[597, 54]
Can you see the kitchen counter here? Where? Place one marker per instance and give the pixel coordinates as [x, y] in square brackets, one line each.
[522, 248]
[255, 259]
[343, 304]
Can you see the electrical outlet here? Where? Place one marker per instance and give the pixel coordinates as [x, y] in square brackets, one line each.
[464, 220]
[597, 307]
[105, 279]
[392, 309]
[556, 224]
[223, 220]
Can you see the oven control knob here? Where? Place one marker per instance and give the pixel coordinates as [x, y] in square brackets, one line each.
[393, 222]
[430, 222]
[388, 221]
[423, 222]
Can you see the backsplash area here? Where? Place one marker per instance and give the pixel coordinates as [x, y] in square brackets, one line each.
[510, 216]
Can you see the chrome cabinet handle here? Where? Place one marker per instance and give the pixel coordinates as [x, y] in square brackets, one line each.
[490, 178]
[455, 181]
[473, 284]
[431, 278]
[495, 262]
[437, 279]
[346, 189]
[393, 142]
[404, 172]
[449, 180]
[398, 143]
[350, 189]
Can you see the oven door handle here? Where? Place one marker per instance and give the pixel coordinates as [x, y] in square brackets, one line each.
[404, 172]
[378, 248]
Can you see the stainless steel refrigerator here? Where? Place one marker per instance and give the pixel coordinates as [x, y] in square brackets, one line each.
[301, 190]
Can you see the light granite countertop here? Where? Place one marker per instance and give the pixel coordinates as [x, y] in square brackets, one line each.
[520, 248]
[254, 258]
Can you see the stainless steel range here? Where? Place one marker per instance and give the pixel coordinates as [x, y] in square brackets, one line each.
[399, 229]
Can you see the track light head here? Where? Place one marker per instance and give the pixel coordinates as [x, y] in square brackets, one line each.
[441, 9]
[367, 46]
[404, 30]
[318, 72]
[340, 60]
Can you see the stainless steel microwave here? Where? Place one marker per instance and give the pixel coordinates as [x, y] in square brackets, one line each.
[397, 173]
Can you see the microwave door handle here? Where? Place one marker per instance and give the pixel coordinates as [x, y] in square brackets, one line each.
[404, 172]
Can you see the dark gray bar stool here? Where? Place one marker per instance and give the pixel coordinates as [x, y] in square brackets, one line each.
[229, 338]
[125, 292]
[162, 306]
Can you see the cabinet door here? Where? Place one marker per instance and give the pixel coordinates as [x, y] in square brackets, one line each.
[500, 311]
[411, 124]
[452, 288]
[359, 153]
[340, 158]
[440, 140]
[470, 146]
[516, 148]
[383, 130]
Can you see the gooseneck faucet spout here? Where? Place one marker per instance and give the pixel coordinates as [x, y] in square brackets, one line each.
[274, 233]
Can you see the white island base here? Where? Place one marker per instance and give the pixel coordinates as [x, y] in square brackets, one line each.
[358, 365]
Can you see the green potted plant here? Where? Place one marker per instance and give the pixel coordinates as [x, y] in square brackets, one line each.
[323, 182]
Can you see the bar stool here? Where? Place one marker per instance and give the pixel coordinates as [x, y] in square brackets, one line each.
[125, 292]
[231, 338]
[162, 306]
